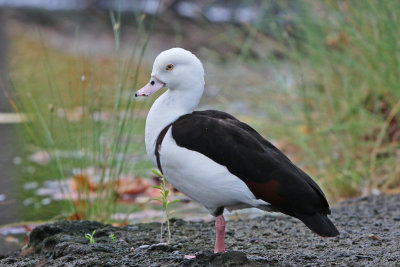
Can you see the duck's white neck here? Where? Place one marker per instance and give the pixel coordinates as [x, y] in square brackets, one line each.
[168, 108]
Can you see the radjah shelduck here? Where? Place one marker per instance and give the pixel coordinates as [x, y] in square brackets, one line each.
[217, 160]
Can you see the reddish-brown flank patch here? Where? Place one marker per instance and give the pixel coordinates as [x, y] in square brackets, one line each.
[267, 192]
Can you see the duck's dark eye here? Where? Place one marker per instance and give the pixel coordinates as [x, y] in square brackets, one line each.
[169, 67]
[152, 82]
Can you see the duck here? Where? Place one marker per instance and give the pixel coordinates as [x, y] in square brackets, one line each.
[217, 160]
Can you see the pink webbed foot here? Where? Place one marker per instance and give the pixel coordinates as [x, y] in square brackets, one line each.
[220, 230]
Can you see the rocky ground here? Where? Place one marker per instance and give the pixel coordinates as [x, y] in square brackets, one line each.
[369, 226]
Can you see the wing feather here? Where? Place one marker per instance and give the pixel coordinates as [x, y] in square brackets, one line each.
[268, 173]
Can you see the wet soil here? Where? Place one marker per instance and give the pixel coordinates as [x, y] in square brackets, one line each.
[369, 226]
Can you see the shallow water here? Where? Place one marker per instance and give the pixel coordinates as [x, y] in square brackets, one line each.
[8, 200]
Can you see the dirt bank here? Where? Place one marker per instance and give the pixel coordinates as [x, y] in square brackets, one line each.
[370, 235]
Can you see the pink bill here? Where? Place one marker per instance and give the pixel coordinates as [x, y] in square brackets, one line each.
[153, 85]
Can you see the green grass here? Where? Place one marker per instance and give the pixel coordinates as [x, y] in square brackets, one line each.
[91, 237]
[164, 200]
[64, 101]
[346, 64]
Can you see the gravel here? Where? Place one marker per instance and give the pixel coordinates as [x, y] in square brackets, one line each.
[369, 227]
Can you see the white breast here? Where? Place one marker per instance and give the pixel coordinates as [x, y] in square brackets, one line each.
[202, 179]
[164, 111]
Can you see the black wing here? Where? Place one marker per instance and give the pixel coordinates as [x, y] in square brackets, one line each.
[268, 173]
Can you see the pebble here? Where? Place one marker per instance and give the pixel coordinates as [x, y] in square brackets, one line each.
[143, 247]
[189, 257]
[160, 246]
[374, 237]
[254, 240]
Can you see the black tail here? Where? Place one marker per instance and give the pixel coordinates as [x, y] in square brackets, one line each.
[319, 223]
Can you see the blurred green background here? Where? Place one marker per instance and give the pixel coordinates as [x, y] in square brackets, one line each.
[320, 79]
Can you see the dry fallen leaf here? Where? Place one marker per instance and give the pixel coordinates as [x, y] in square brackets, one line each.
[132, 186]
[81, 182]
[335, 39]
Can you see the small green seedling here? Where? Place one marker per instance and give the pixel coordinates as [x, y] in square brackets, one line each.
[163, 199]
[112, 237]
[91, 237]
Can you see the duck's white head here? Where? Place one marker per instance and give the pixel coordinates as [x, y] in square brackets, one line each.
[177, 69]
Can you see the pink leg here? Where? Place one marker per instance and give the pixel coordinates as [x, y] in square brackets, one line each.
[220, 229]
